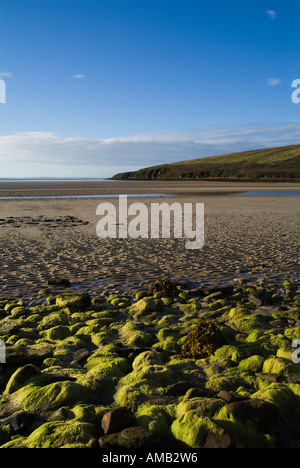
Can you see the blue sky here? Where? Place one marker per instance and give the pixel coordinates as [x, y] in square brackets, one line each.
[95, 87]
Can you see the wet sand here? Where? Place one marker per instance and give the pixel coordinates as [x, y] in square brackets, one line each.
[245, 237]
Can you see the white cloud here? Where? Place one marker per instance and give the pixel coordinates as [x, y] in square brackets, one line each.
[6, 75]
[272, 14]
[273, 81]
[143, 150]
[79, 76]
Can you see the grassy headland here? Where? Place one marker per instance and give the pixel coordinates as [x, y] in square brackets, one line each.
[274, 164]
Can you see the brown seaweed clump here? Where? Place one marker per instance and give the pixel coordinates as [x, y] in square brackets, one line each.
[202, 341]
[164, 287]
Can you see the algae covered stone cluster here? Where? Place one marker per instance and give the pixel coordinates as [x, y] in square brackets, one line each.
[163, 366]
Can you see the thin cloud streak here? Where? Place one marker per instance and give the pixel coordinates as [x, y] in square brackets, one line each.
[6, 75]
[143, 150]
[272, 14]
[273, 81]
[79, 76]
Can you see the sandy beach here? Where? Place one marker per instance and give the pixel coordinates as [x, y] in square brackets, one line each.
[149, 344]
[245, 236]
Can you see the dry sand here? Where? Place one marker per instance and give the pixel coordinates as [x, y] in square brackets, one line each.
[245, 237]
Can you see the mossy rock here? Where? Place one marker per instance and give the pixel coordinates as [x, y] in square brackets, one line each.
[146, 358]
[60, 332]
[140, 339]
[252, 364]
[23, 375]
[88, 413]
[254, 321]
[204, 406]
[141, 294]
[87, 331]
[46, 399]
[54, 319]
[279, 365]
[154, 375]
[278, 394]
[227, 352]
[101, 338]
[292, 333]
[166, 321]
[286, 353]
[58, 434]
[279, 341]
[219, 304]
[132, 396]
[169, 345]
[73, 301]
[245, 433]
[168, 332]
[239, 312]
[9, 306]
[192, 429]
[157, 418]
[108, 365]
[119, 301]
[19, 311]
[144, 306]
[217, 383]
[212, 297]
[255, 335]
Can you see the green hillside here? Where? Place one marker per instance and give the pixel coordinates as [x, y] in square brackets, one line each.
[281, 163]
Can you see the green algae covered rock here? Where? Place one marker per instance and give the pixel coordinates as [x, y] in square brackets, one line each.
[155, 374]
[108, 365]
[157, 418]
[144, 306]
[279, 365]
[239, 312]
[54, 319]
[252, 363]
[278, 394]
[219, 304]
[59, 332]
[73, 301]
[46, 399]
[146, 358]
[193, 428]
[22, 375]
[140, 339]
[19, 311]
[204, 406]
[227, 352]
[168, 345]
[58, 434]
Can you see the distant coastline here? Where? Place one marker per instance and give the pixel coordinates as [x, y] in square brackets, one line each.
[279, 164]
[50, 179]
